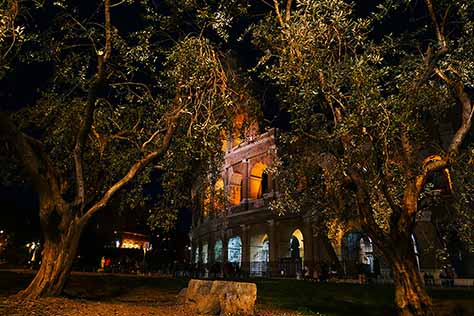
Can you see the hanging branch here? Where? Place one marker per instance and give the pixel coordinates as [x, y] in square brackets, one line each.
[95, 87]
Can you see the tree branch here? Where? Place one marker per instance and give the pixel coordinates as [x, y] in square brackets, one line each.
[408, 152]
[288, 11]
[135, 169]
[96, 85]
[278, 13]
[363, 198]
[23, 151]
[439, 33]
[40, 169]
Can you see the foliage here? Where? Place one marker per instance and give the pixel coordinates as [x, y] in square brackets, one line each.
[147, 84]
[365, 98]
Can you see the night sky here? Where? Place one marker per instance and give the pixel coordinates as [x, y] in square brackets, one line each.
[23, 86]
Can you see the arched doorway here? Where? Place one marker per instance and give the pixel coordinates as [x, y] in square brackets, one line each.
[234, 251]
[218, 251]
[258, 184]
[259, 254]
[204, 254]
[297, 245]
[196, 255]
[357, 254]
[366, 254]
[292, 265]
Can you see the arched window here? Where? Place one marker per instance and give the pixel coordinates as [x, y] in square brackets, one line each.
[204, 253]
[366, 253]
[196, 255]
[297, 244]
[218, 251]
[258, 181]
[234, 250]
[259, 254]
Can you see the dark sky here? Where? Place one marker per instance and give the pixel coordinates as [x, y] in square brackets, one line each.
[23, 86]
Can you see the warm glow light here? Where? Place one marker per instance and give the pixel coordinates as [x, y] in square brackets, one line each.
[219, 194]
[235, 189]
[255, 190]
[445, 170]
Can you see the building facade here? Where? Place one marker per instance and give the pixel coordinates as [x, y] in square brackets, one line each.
[244, 233]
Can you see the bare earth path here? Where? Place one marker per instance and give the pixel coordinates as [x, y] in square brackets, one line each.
[104, 299]
[75, 307]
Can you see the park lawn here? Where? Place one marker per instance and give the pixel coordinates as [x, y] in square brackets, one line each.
[338, 299]
[328, 299]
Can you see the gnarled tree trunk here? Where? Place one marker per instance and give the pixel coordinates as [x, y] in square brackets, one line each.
[411, 298]
[61, 240]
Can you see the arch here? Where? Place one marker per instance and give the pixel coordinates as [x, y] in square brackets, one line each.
[204, 253]
[366, 254]
[297, 244]
[218, 251]
[259, 254]
[196, 255]
[258, 181]
[357, 253]
[234, 250]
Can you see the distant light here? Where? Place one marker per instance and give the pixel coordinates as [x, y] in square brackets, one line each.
[189, 247]
[117, 243]
[1, 231]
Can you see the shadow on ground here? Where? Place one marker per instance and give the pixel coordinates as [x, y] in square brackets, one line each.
[307, 297]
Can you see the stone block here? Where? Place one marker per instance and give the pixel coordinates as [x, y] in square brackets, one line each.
[222, 297]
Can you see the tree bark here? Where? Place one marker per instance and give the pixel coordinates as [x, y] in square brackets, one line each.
[411, 298]
[58, 254]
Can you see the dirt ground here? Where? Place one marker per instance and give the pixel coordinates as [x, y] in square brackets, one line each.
[75, 307]
[98, 300]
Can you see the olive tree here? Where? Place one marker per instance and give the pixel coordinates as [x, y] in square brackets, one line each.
[368, 107]
[118, 104]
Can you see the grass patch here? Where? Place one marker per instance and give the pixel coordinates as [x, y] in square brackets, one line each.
[328, 298]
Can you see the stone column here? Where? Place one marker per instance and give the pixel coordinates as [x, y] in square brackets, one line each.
[274, 244]
[225, 249]
[245, 180]
[245, 248]
[210, 250]
[225, 245]
[308, 245]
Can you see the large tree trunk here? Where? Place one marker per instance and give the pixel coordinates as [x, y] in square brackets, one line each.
[59, 251]
[411, 298]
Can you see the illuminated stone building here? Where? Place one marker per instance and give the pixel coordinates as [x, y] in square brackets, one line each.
[244, 231]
